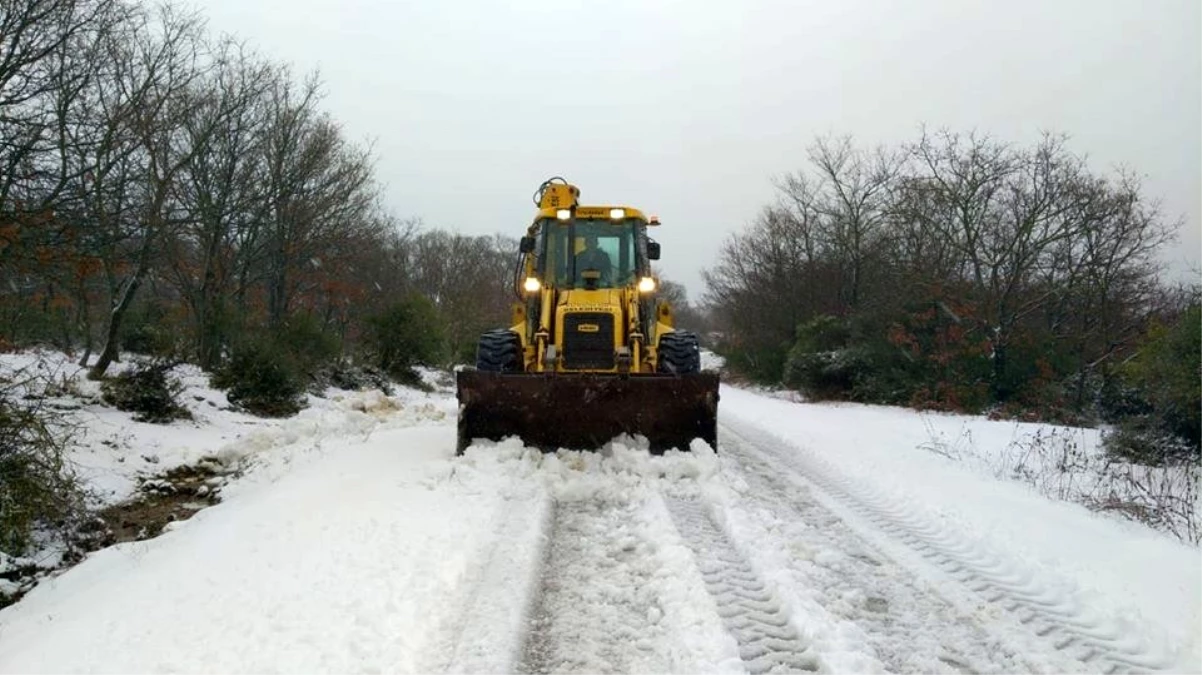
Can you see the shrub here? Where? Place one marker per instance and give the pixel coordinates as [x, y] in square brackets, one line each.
[824, 375]
[820, 362]
[260, 378]
[1166, 372]
[345, 375]
[148, 391]
[761, 365]
[147, 332]
[36, 486]
[405, 335]
[1143, 440]
[1115, 399]
[147, 340]
[307, 344]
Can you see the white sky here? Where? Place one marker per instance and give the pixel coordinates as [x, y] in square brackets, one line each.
[688, 109]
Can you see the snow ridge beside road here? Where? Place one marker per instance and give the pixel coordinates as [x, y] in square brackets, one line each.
[1096, 587]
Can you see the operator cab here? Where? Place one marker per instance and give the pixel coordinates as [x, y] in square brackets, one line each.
[593, 253]
[595, 250]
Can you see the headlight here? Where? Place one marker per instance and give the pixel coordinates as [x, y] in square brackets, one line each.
[532, 285]
[617, 214]
[646, 285]
[564, 214]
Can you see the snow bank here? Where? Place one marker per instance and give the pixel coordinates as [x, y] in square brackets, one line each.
[1146, 581]
[110, 450]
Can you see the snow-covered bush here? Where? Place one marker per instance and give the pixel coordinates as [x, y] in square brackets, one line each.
[148, 391]
[820, 363]
[37, 488]
[261, 379]
[824, 375]
[1140, 439]
[350, 376]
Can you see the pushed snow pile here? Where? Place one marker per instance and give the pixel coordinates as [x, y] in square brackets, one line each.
[614, 471]
[618, 590]
[711, 361]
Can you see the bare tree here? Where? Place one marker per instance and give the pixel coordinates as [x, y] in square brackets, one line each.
[767, 281]
[220, 192]
[956, 249]
[849, 200]
[469, 280]
[161, 70]
[317, 184]
[44, 51]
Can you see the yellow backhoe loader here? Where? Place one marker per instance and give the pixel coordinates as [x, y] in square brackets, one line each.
[591, 352]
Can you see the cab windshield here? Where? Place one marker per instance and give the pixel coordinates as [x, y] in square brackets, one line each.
[606, 247]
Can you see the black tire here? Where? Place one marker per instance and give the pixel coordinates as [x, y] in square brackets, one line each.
[679, 353]
[500, 351]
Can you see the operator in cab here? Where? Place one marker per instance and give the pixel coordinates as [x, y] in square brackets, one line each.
[593, 258]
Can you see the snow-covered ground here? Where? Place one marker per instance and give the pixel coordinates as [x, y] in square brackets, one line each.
[827, 538]
[111, 449]
[112, 453]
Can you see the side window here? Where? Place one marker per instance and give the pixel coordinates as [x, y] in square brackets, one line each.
[556, 261]
[629, 257]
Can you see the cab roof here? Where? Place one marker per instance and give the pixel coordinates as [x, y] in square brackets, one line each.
[599, 212]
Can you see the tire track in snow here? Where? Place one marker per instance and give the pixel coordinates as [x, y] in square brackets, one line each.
[910, 628]
[491, 622]
[597, 609]
[1058, 621]
[768, 642]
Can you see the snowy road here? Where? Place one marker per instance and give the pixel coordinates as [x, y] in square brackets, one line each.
[949, 607]
[818, 539]
[909, 623]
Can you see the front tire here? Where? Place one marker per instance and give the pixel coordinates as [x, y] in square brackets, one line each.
[499, 351]
[679, 353]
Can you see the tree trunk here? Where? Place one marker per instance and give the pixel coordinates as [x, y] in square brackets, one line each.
[111, 341]
[277, 296]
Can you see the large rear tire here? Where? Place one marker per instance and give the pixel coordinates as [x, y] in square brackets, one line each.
[679, 353]
[500, 351]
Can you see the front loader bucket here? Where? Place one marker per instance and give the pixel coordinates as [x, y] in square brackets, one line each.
[586, 411]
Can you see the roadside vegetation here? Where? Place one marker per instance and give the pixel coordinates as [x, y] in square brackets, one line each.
[963, 273]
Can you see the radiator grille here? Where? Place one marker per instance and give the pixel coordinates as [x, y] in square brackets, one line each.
[588, 341]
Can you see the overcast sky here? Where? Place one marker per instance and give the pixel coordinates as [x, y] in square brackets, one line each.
[688, 109]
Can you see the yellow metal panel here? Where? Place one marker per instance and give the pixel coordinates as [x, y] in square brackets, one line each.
[606, 300]
[557, 196]
[592, 212]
